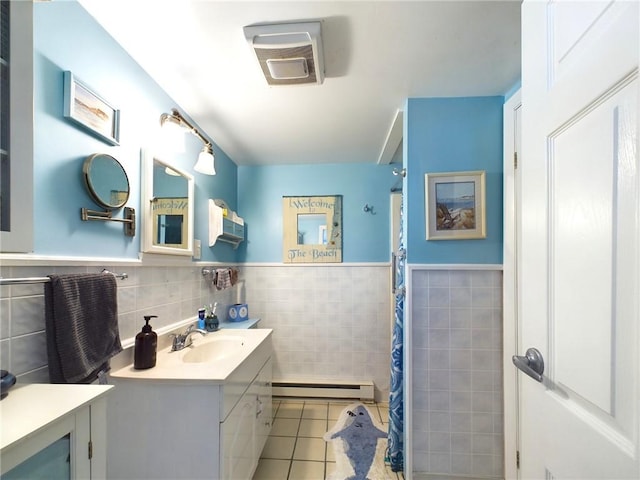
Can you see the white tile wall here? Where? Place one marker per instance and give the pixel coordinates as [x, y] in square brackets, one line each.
[330, 321]
[457, 372]
[172, 293]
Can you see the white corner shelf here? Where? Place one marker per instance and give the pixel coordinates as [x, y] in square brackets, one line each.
[224, 224]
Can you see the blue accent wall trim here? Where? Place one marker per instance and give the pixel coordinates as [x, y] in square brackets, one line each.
[451, 135]
[366, 236]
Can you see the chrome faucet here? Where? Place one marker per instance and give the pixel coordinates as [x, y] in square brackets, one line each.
[183, 340]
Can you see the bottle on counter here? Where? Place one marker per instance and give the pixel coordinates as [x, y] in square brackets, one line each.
[201, 315]
[144, 354]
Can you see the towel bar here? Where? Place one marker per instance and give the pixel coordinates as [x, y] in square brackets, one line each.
[28, 280]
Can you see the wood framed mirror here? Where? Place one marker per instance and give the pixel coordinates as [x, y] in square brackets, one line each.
[312, 229]
[167, 207]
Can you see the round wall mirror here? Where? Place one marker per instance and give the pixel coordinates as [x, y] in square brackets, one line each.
[106, 180]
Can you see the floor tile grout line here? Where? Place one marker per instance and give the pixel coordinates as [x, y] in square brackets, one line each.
[295, 443]
[326, 444]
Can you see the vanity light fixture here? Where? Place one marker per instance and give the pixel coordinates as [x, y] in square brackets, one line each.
[205, 163]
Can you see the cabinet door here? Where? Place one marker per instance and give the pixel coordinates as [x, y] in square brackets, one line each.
[61, 452]
[238, 440]
[264, 406]
[246, 429]
[53, 461]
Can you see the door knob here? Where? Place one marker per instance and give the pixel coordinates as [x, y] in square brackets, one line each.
[532, 363]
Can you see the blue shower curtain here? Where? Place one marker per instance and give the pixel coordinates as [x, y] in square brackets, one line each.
[395, 444]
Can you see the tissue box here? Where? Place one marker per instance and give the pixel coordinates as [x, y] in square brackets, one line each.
[238, 312]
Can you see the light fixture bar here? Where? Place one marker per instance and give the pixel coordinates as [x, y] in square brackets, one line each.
[205, 163]
[177, 117]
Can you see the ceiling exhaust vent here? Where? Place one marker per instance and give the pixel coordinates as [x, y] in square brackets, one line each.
[288, 53]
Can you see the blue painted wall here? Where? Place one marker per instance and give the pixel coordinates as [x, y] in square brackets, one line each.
[366, 236]
[67, 38]
[441, 134]
[450, 135]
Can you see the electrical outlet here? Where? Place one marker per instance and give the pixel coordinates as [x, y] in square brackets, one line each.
[197, 249]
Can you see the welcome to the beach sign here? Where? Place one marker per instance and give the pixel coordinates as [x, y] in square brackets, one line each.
[312, 229]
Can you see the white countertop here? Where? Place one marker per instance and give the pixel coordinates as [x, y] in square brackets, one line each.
[171, 366]
[251, 323]
[30, 408]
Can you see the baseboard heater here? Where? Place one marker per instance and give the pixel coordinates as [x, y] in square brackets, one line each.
[362, 390]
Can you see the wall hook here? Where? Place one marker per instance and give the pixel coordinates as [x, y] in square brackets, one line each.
[368, 209]
[400, 172]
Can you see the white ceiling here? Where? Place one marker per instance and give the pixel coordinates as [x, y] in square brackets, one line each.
[376, 54]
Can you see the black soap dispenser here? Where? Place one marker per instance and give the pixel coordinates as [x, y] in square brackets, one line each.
[144, 355]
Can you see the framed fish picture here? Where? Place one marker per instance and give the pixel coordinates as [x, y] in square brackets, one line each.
[455, 205]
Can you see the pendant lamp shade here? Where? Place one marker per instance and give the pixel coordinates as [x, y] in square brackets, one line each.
[205, 163]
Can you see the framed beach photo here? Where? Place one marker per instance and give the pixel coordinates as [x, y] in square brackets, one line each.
[90, 111]
[455, 205]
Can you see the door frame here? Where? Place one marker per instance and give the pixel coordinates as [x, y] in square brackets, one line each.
[510, 324]
[395, 202]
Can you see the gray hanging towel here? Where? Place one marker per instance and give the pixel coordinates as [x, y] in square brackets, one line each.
[81, 318]
[223, 278]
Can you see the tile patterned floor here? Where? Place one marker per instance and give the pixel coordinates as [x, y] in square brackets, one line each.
[295, 449]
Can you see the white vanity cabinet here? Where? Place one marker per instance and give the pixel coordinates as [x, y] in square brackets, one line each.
[54, 431]
[181, 421]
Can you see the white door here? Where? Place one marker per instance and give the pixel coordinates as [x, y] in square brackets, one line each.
[512, 185]
[580, 240]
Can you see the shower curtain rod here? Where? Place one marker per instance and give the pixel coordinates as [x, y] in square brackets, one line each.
[30, 280]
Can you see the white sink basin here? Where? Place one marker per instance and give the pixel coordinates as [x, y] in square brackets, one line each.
[216, 349]
[215, 357]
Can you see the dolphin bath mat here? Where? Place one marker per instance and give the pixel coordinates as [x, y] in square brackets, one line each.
[359, 444]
